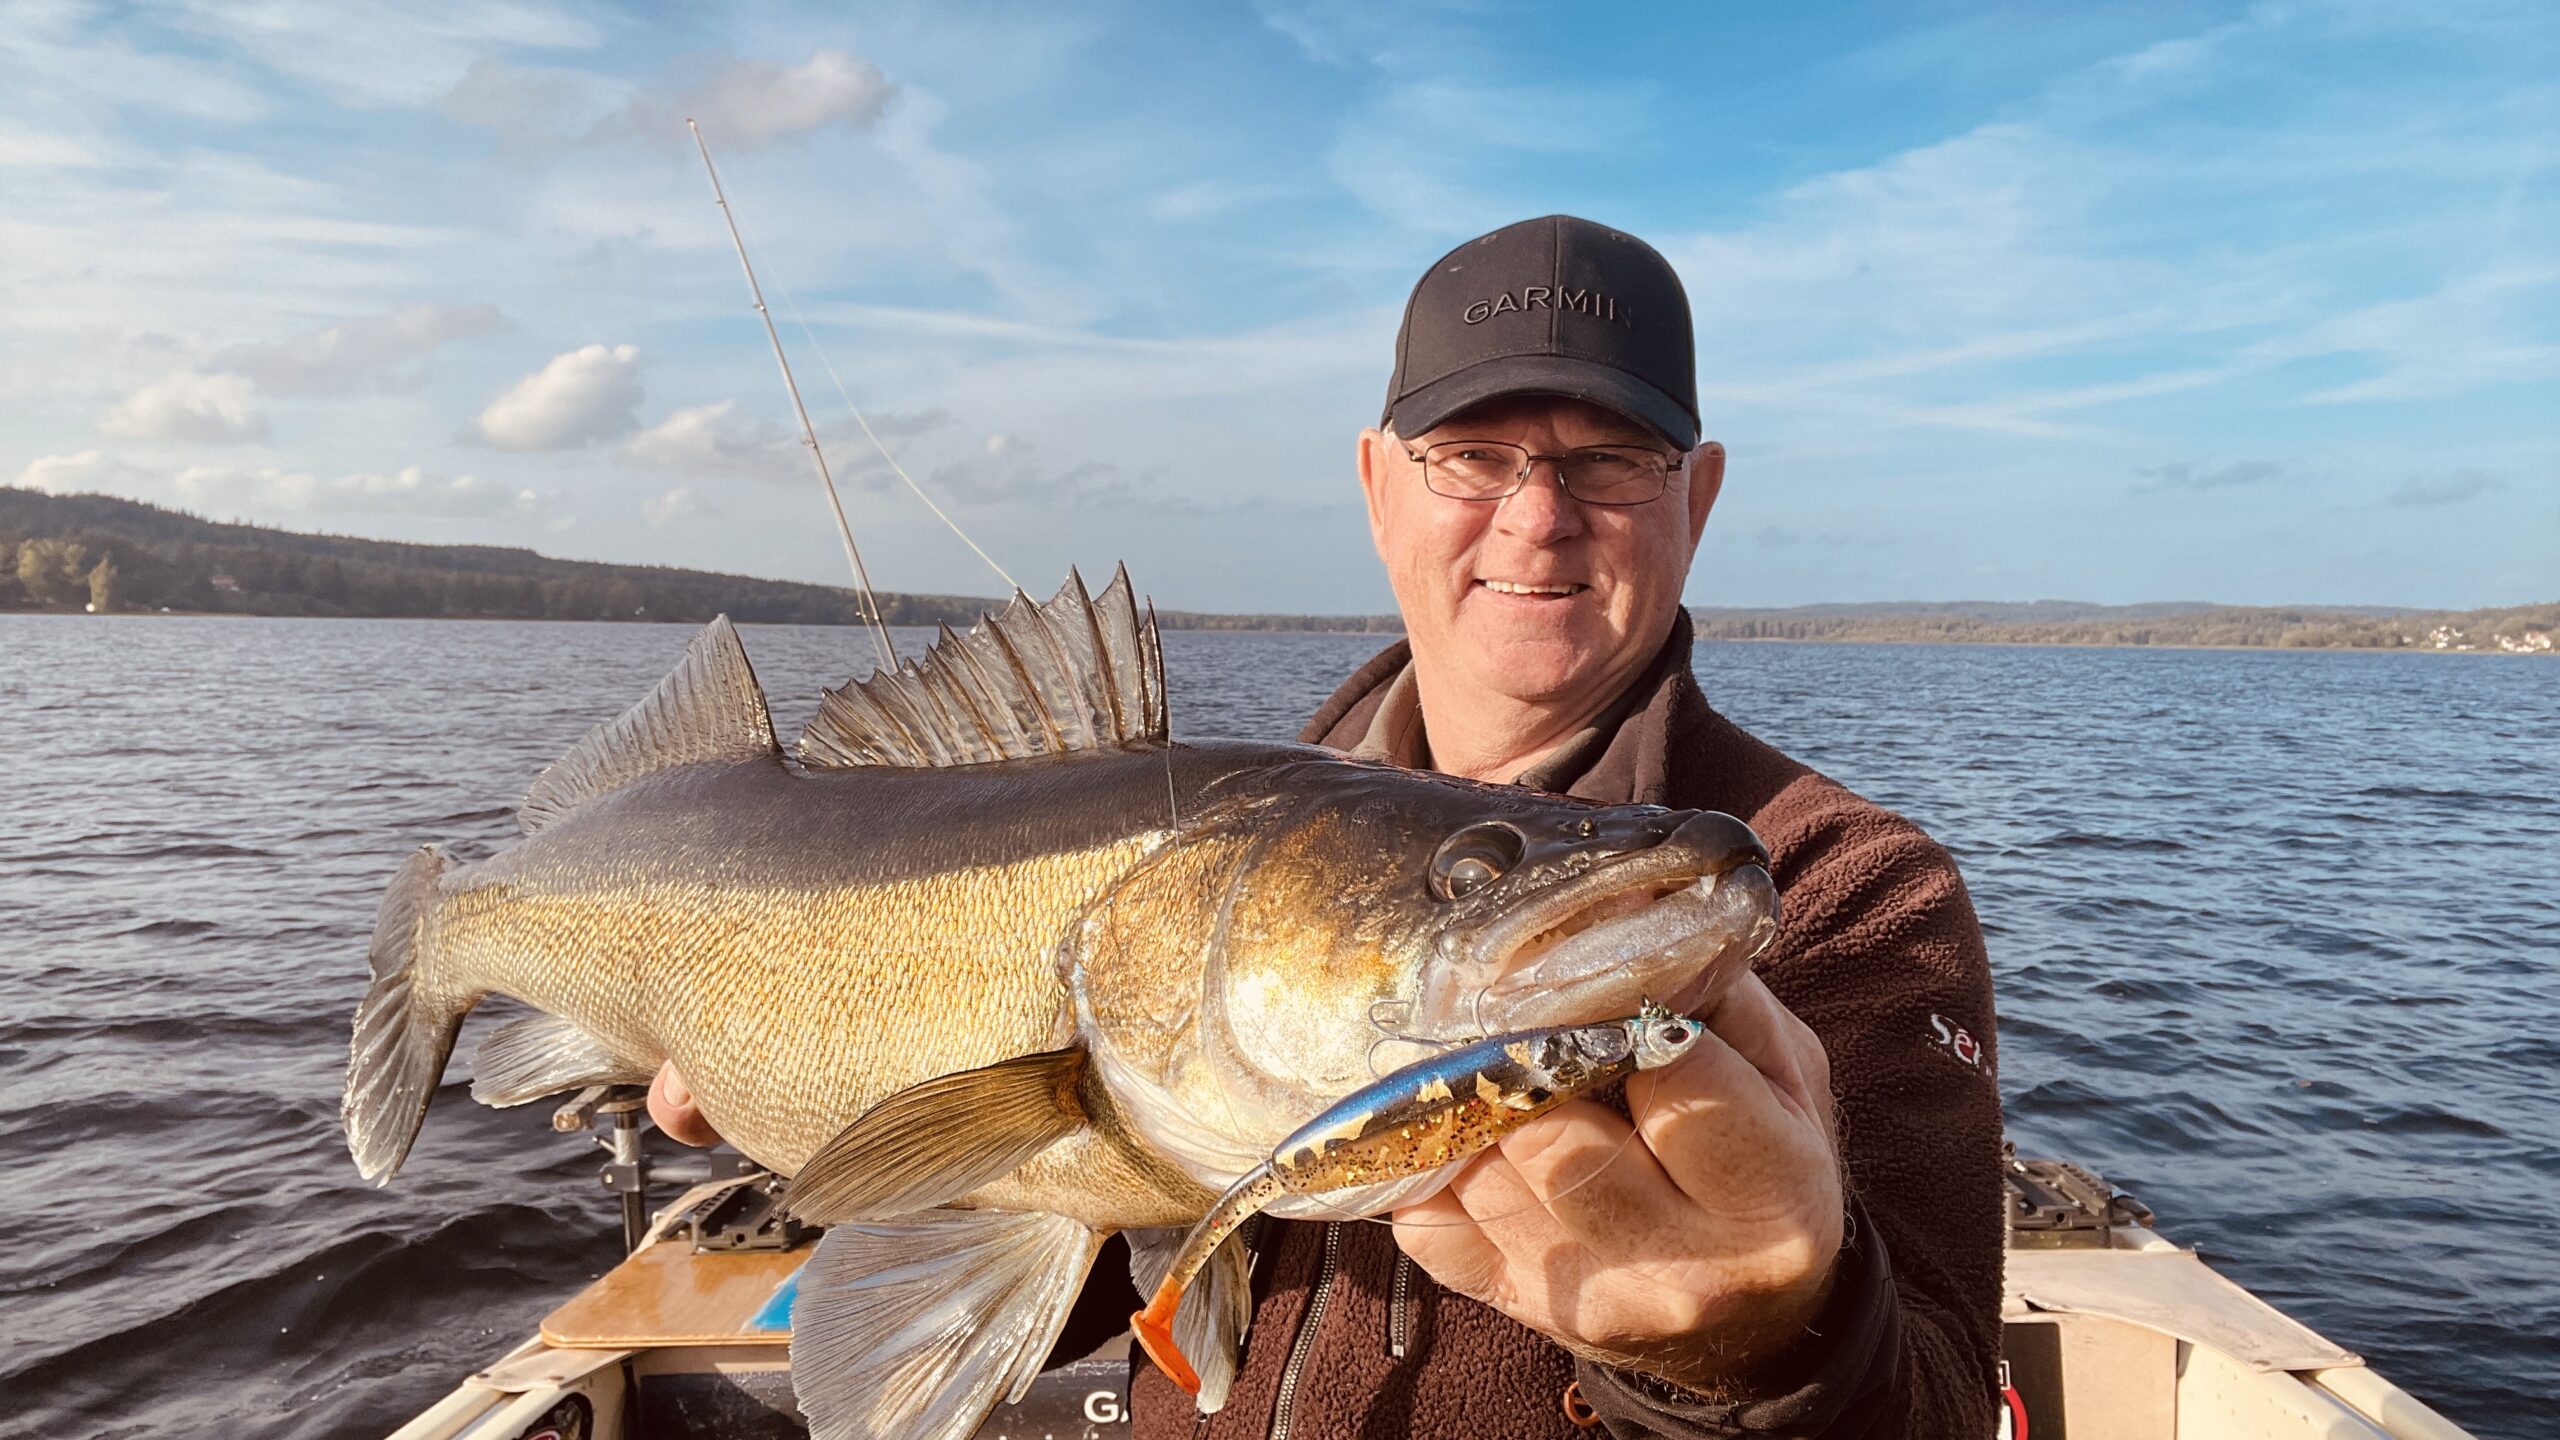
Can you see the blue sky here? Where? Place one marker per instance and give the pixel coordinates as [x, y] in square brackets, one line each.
[2243, 303]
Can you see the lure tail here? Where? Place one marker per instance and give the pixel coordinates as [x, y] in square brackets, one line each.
[1154, 1325]
[1154, 1328]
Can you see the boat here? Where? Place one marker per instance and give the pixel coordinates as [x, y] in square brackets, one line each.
[2112, 1331]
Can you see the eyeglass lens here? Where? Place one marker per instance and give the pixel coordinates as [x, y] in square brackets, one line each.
[1598, 474]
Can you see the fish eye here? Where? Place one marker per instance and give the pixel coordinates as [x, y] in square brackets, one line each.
[1675, 1034]
[1474, 858]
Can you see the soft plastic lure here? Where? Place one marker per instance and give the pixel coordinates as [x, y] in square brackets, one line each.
[1436, 1112]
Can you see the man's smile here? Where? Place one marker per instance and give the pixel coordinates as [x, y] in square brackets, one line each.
[1534, 589]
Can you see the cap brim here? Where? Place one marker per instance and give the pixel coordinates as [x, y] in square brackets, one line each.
[1603, 385]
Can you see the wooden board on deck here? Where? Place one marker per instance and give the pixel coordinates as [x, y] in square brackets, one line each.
[668, 1295]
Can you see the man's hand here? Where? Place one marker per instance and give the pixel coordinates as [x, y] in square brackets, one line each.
[1696, 1253]
[671, 1105]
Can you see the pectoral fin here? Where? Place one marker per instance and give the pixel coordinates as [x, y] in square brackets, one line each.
[913, 1329]
[932, 1143]
[543, 1055]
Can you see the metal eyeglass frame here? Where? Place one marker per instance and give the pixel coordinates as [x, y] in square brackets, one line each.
[1529, 460]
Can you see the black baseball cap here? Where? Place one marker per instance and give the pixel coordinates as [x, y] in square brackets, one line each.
[1553, 306]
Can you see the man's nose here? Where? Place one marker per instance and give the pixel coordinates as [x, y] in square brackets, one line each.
[1539, 512]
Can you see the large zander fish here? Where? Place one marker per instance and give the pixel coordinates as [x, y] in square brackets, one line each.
[997, 969]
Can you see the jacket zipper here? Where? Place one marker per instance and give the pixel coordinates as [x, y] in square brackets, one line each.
[1283, 1411]
[1400, 1308]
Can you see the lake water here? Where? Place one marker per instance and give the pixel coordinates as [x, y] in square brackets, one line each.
[2275, 933]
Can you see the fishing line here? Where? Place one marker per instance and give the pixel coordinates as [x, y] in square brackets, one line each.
[842, 394]
[869, 601]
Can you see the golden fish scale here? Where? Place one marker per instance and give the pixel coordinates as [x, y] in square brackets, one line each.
[791, 1010]
[1305, 949]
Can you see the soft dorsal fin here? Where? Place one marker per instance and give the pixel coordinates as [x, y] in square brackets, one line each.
[1079, 673]
[708, 708]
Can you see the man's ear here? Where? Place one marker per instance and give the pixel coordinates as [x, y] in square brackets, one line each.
[1376, 473]
[1706, 481]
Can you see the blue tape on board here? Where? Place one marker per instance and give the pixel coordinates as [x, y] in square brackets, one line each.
[775, 1313]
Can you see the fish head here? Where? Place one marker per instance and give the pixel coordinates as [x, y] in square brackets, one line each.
[1580, 915]
[1319, 923]
[1385, 913]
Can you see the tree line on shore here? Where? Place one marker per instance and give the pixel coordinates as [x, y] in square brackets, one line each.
[2278, 627]
[70, 552]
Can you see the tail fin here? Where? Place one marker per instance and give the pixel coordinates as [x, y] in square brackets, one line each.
[401, 1039]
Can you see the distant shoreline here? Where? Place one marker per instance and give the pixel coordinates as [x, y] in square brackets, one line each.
[59, 552]
[1166, 620]
[2117, 645]
[1170, 623]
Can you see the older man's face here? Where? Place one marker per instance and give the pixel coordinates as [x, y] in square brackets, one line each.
[1538, 597]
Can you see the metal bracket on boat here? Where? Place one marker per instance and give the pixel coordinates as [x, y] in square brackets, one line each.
[748, 1217]
[2056, 1205]
[627, 1173]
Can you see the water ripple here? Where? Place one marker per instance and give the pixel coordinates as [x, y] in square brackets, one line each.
[2274, 933]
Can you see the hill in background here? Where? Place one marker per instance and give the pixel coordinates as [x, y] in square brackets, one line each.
[63, 552]
[51, 548]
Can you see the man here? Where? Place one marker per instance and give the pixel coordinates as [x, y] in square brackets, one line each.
[1799, 1232]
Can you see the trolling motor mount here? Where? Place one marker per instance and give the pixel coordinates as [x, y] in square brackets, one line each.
[626, 1107]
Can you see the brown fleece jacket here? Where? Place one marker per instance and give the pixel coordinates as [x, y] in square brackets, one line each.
[1878, 951]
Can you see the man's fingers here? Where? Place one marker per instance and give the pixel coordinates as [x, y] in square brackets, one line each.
[1728, 1136]
[1764, 1032]
[1584, 1170]
[1447, 1242]
[671, 1106]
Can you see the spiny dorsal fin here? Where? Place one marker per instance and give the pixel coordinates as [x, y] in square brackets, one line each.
[1079, 673]
[708, 708]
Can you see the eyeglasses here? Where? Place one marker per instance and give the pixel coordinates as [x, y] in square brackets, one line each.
[1593, 474]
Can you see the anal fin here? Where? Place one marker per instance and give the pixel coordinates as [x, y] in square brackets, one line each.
[543, 1055]
[913, 1329]
[1217, 1307]
[934, 1142]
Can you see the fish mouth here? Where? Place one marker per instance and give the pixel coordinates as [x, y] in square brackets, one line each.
[1675, 923]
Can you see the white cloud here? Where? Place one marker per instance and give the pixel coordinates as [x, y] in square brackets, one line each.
[188, 406]
[33, 149]
[1351, 34]
[744, 104]
[2469, 333]
[271, 489]
[90, 471]
[2195, 475]
[715, 441]
[530, 108]
[65, 59]
[580, 397]
[2451, 489]
[668, 507]
[707, 440]
[1206, 199]
[410, 491]
[359, 354]
[1009, 470]
[376, 53]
